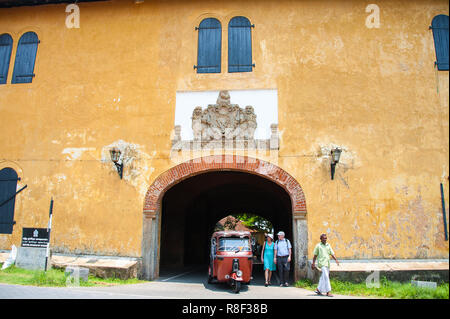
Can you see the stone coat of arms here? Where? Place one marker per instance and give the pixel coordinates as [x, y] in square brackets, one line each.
[223, 120]
[226, 126]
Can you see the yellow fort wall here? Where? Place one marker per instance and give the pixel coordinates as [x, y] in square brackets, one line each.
[373, 92]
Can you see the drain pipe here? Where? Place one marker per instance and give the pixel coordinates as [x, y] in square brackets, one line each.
[443, 212]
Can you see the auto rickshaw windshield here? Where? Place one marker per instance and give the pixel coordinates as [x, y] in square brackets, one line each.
[234, 244]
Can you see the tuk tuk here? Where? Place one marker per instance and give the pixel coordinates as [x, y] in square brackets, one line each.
[231, 258]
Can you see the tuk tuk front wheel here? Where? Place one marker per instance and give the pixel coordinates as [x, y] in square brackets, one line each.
[236, 286]
[210, 278]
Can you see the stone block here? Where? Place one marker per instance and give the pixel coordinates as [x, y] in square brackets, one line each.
[82, 272]
[100, 267]
[31, 258]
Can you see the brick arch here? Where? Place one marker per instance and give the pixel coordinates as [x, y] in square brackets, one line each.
[180, 172]
[247, 164]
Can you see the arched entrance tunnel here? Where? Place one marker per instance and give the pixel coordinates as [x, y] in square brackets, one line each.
[184, 203]
[191, 209]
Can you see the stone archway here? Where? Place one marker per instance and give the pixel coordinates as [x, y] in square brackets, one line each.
[180, 172]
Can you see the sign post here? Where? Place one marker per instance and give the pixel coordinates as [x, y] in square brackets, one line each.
[31, 254]
[34, 252]
[49, 229]
[35, 237]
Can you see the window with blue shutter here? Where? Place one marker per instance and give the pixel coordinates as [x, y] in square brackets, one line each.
[5, 55]
[439, 25]
[8, 185]
[209, 46]
[25, 58]
[240, 45]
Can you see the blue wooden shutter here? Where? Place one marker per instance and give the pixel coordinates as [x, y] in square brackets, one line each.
[5, 55]
[441, 43]
[25, 58]
[8, 185]
[240, 45]
[209, 46]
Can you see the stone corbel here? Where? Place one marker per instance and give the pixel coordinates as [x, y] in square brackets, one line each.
[274, 137]
[176, 141]
[149, 214]
[299, 215]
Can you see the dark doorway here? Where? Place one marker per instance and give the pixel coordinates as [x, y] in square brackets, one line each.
[191, 209]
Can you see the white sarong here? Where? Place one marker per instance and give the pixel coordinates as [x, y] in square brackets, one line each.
[324, 281]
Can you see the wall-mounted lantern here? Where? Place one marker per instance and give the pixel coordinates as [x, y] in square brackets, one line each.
[115, 157]
[335, 155]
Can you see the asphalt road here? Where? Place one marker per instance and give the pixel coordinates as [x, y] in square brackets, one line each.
[190, 283]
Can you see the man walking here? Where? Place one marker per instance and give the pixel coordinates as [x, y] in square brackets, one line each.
[322, 253]
[282, 258]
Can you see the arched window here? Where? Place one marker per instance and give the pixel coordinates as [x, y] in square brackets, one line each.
[439, 25]
[25, 58]
[240, 45]
[209, 46]
[8, 185]
[5, 55]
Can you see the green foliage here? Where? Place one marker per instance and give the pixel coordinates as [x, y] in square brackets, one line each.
[250, 221]
[387, 289]
[254, 222]
[54, 278]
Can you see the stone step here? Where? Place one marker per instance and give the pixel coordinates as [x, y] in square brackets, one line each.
[389, 265]
[100, 266]
[403, 270]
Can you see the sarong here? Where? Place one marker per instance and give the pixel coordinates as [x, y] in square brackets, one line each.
[324, 281]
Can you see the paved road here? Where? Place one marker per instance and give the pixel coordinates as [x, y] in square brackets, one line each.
[187, 284]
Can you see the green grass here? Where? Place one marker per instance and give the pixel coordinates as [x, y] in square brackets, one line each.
[387, 289]
[55, 278]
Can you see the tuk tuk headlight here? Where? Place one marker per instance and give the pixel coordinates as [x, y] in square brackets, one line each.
[239, 273]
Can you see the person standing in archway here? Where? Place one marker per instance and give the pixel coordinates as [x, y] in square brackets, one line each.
[282, 258]
[267, 258]
[322, 253]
